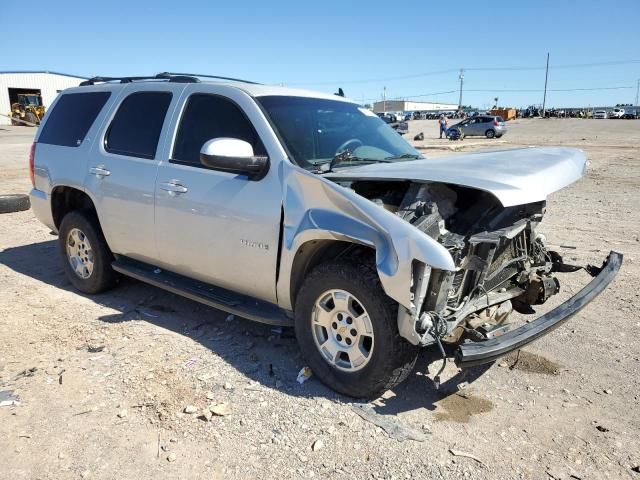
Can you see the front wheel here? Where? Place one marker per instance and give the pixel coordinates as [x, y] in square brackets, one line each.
[87, 257]
[347, 330]
[31, 118]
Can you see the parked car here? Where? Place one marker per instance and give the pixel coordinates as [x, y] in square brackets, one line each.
[304, 210]
[617, 113]
[600, 114]
[630, 114]
[392, 120]
[388, 117]
[489, 126]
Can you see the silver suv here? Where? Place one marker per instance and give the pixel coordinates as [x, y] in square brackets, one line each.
[302, 209]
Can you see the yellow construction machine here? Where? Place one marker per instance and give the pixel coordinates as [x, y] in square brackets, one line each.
[28, 108]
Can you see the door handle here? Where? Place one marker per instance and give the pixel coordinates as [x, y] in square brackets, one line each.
[173, 187]
[100, 171]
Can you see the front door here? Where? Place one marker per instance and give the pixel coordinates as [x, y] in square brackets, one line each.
[218, 227]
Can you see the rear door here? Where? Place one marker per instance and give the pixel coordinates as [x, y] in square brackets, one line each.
[214, 226]
[123, 166]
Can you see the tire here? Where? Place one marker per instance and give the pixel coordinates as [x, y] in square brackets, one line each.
[80, 231]
[391, 358]
[31, 117]
[14, 120]
[490, 133]
[14, 203]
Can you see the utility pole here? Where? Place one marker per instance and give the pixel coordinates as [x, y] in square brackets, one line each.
[637, 90]
[461, 77]
[546, 78]
[384, 99]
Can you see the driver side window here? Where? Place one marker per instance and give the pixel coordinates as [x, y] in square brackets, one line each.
[209, 116]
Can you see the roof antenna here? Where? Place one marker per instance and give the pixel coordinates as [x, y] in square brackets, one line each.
[340, 93]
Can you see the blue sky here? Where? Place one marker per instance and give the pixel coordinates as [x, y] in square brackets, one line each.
[360, 46]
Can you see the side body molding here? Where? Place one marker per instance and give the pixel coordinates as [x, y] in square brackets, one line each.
[318, 209]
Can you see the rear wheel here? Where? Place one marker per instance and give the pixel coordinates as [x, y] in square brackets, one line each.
[490, 133]
[87, 256]
[347, 330]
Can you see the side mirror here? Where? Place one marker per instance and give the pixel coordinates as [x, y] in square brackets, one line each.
[234, 156]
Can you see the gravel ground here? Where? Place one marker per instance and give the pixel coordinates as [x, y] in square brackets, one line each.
[139, 383]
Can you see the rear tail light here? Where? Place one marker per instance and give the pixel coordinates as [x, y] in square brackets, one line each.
[496, 123]
[32, 155]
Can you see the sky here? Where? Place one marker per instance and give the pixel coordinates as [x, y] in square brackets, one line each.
[413, 48]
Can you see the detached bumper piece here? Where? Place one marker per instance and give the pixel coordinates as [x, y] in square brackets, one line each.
[478, 353]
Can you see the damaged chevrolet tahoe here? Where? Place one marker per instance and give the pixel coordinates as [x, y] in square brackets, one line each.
[301, 209]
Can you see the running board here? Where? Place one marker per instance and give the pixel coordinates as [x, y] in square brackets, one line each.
[216, 297]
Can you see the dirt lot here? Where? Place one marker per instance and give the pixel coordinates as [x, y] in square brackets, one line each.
[103, 382]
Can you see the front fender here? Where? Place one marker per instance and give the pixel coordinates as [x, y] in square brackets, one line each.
[318, 209]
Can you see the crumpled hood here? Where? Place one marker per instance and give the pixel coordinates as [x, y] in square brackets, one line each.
[515, 177]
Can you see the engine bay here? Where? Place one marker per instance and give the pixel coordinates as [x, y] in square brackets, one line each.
[501, 262]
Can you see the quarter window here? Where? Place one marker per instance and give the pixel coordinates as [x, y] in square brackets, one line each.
[135, 129]
[71, 118]
[210, 116]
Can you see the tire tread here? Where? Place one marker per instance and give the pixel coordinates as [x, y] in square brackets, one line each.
[395, 368]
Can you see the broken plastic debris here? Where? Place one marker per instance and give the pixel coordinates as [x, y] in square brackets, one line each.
[157, 270]
[230, 318]
[8, 398]
[391, 425]
[303, 375]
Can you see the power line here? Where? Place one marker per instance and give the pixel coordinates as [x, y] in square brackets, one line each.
[537, 90]
[404, 97]
[474, 69]
[503, 90]
[380, 79]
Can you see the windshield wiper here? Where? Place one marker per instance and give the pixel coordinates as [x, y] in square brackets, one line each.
[348, 157]
[412, 156]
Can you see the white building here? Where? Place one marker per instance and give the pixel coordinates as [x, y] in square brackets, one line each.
[408, 106]
[47, 84]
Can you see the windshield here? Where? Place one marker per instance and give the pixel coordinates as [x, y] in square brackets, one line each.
[315, 130]
[32, 100]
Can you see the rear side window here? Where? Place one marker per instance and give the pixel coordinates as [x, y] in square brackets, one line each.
[72, 117]
[135, 129]
[210, 116]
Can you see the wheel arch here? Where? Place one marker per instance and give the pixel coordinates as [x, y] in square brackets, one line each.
[65, 199]
[315, 252]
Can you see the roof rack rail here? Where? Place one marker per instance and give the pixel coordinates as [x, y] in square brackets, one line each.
[209, 76]
[177, 78]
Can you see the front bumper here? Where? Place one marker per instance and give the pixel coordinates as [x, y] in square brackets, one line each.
[477, 353]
